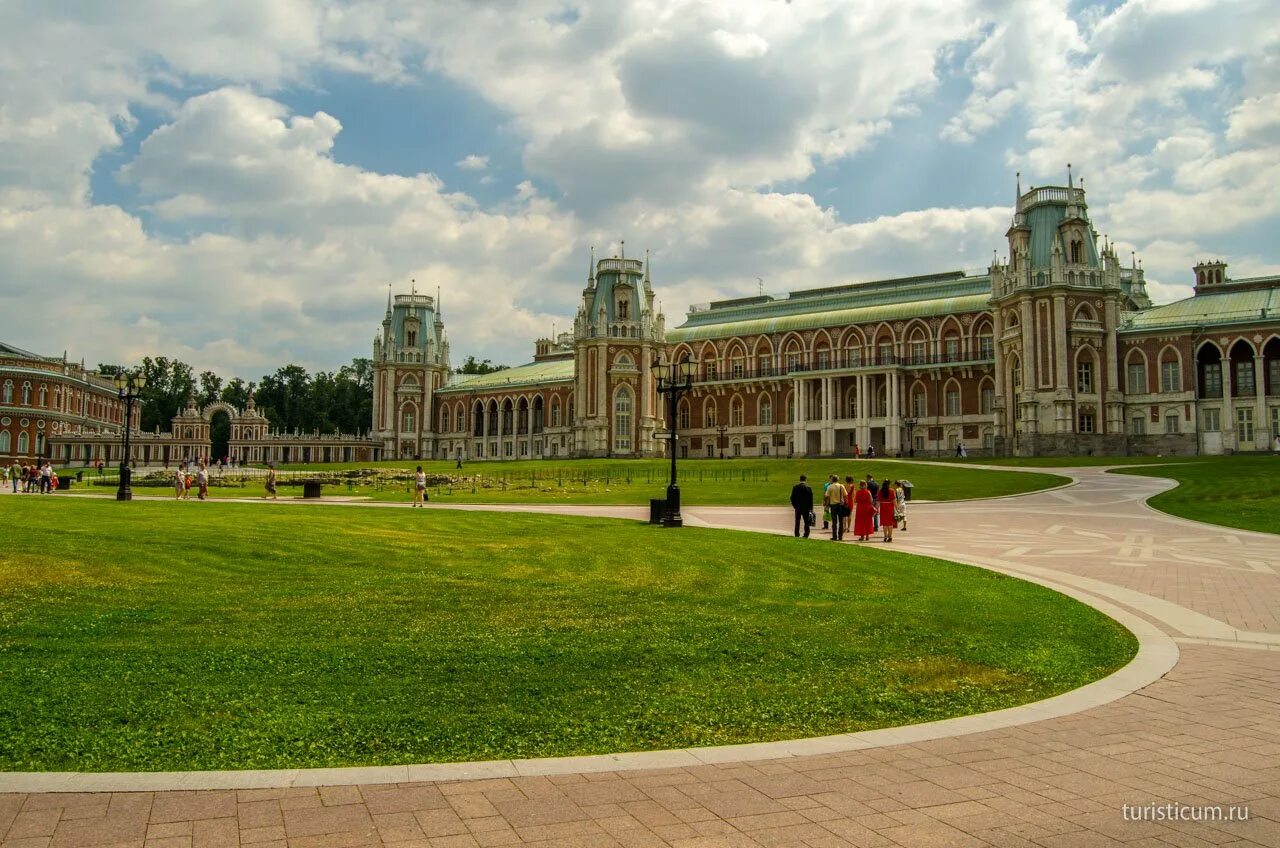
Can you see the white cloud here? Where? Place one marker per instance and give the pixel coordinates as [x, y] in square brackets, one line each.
[473, 162]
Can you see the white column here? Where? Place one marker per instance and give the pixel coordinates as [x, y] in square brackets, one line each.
[1262, 434]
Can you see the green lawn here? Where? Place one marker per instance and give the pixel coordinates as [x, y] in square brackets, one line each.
[1065, 461]
[1235, 491]
[151, 636]
[702, 481]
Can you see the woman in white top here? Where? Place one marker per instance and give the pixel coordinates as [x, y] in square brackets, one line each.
[900, 505]
[179, 484]
[419, 487]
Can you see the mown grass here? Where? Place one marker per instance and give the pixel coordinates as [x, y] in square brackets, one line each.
[1240, 491]
[1064, 461]
[747, 482]
[149, 636]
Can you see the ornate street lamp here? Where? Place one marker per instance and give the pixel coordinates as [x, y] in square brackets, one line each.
[911, 426]
[721, 430]
[128, 385]
[673, 381]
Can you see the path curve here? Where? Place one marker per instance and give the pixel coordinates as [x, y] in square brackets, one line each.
[1206, 732]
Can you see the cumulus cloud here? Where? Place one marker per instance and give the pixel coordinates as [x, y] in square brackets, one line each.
[680, 126]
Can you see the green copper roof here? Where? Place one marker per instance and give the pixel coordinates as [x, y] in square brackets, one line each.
[1227, 307]
[551, 371]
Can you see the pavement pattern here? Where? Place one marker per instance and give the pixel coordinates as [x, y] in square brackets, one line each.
[1205, 737]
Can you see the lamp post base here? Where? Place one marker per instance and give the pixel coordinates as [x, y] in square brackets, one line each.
[673, 517]
[125, 493]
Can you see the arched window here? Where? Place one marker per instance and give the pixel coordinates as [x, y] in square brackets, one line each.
[477, 420]
[1136, 373]
[987, 398]
[622, 420]
[624, 362]
[461, 421]
[44, 395]
[411, 338]
[919, 402]
[791, 408]
[555, 412]
[24, 442]
[1170, 371]
[1243, 384]
[26, 394]
[765, 414]
[736, 415]
[408, 419]
[852, 401]
[8, 391]
[952, 398]
[444, 420]
[682, 417]
[4, 441]
[709, 412]
[1086, 382]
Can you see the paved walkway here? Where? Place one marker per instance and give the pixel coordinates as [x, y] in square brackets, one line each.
[1206, 733]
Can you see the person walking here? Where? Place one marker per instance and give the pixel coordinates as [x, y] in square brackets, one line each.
[835, 499]
[862, 511]
[802, 504]
[271, 481]
[826, 505]
[887, 506]
[15, 471]
[459, 466]
[857, 451]
[847, 518]
[874, 488]
[419, 487]
[202, 482]
[46, 478]
[900, 505]
[179, 484]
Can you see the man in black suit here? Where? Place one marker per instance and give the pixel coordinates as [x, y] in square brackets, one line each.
[802, 503]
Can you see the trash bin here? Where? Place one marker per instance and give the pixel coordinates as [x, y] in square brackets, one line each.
[64, 484]
[311, 489]
[657, 510]
[79, 476]
[906, 489]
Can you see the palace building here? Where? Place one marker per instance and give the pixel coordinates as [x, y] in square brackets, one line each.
[1056, 350]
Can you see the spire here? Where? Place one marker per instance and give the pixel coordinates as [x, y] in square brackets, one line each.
[624, 249]
[1069, 183]
[439, 307]
[646, 267]
[1017, 198]
[591, 268]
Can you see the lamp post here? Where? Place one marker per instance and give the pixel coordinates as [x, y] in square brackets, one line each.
[128, 386]
[911, 426]
[721, 429]
[673, 381]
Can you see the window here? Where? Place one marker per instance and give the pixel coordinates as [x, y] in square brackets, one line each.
[711, 369]
[1084, 378]
[683, 417]
[853, 404]
[408, 422]
[24, 442]
[854, 355]
[791, 409]
[764, 364]
[555, 413]
[918, 352]
[738, 368]
[1137, 378]
[988, 400]
[885, 352]
[1275, 421]
[1273, 376]
[1244, 377]
[824, 359]
[1138, 425]
[461, 421]
[953, 400]
[737, 449]
[766, 412]
[986, 347]
[951, 347]
[793, 361]
[1170, 376]
[444, 421]
[1212, 420]
[411, 338]
[735, 413]
[624, 307]
[506, 449]
[1086, 422]
[1213, 379]
[1244, 425]
[764, 448]
[8, 391]
[919, 404]
[26, 394]
[1172, 422]
[44, 395]
[4, 441]
[711, 450]
[709, 414]
[988, 440]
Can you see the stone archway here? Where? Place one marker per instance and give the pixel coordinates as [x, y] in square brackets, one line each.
[220, 415]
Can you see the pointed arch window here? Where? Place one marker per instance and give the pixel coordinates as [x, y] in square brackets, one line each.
[736, 414]
[766, 411]
[682, 417]
[709, 413]
[1170, 373]
[952, 397]
[26, 394]
[987, 399]
[1136, 375]
[622, 421]
[8, 391]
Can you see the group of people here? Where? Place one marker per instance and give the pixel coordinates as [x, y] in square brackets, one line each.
[865, 507]
[183, 478]
[36, 478]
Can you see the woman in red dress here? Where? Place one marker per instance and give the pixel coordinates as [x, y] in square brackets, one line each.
[863, 508]
[887, 504]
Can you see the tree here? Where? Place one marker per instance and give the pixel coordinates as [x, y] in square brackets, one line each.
[210, 388]
[169, 384]
[235, 392]
[471, 366]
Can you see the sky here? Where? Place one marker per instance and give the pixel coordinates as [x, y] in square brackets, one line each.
[236, 184]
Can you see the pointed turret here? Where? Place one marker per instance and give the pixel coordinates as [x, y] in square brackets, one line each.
[591, 269]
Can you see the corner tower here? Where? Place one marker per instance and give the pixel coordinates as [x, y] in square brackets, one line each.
[616, 338]
[410, 361]
[1056, 302]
